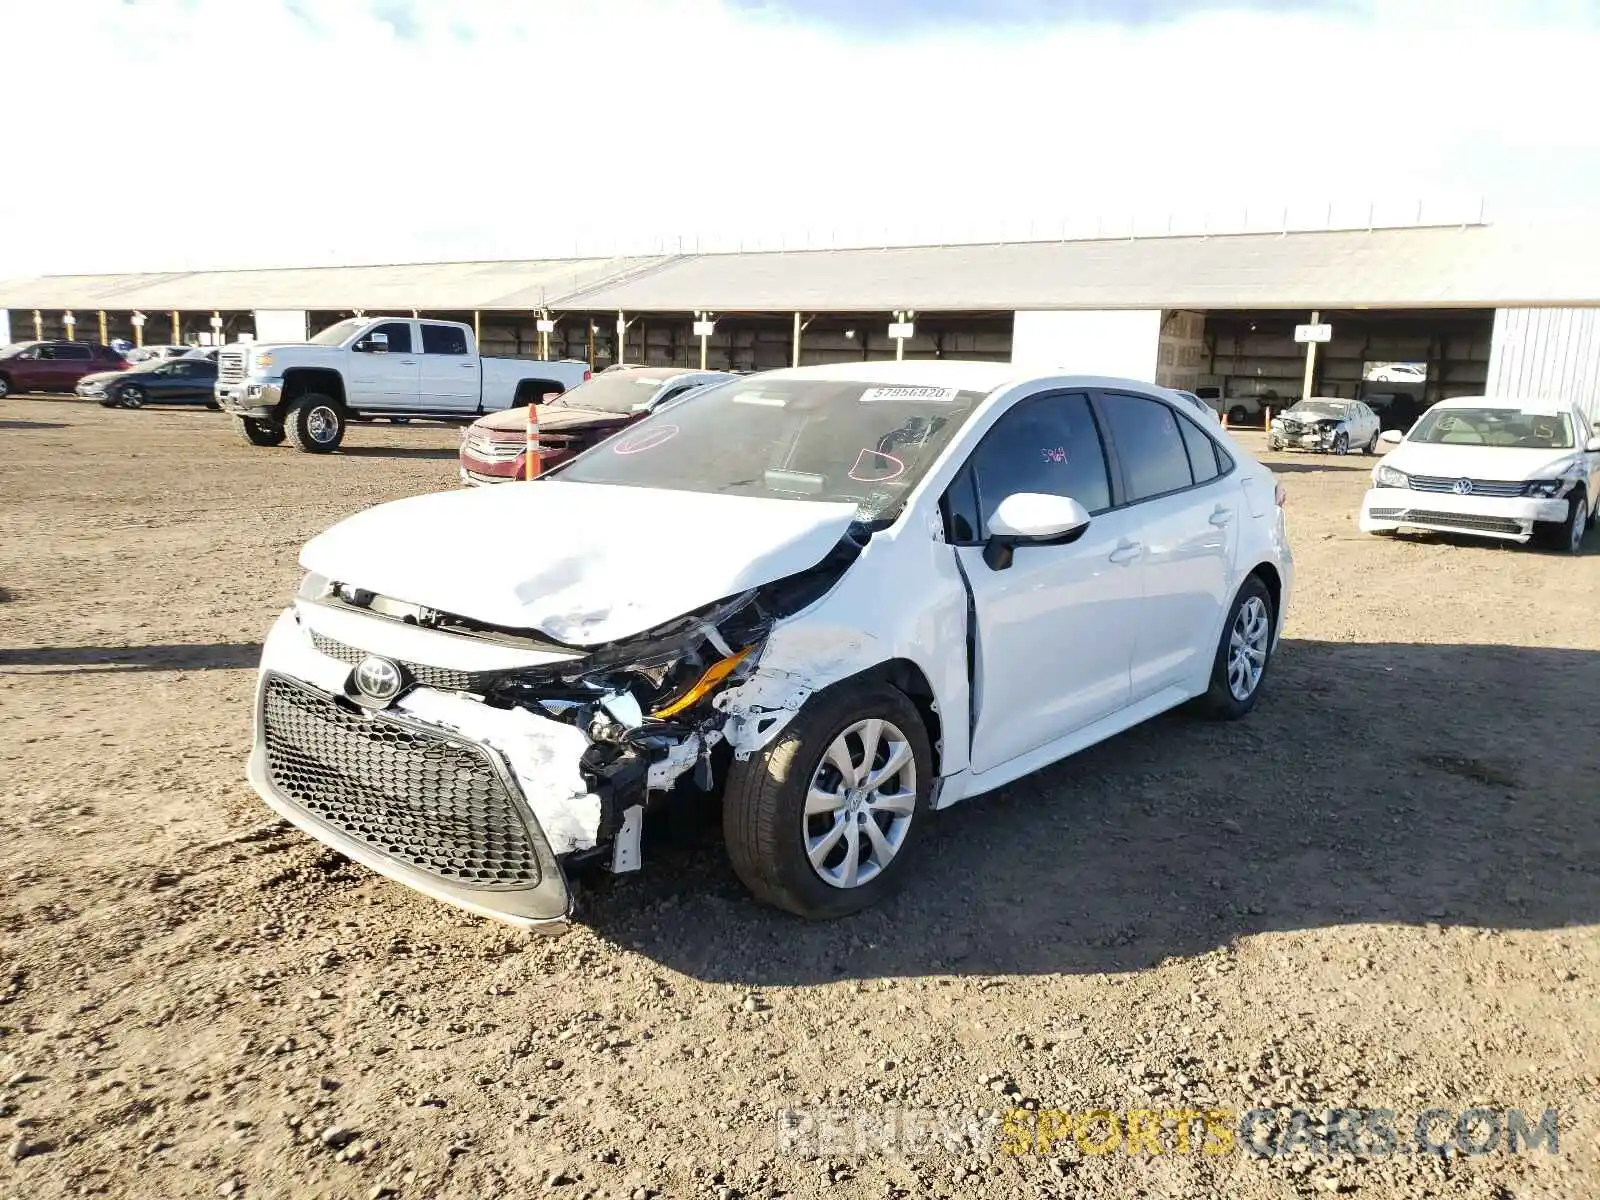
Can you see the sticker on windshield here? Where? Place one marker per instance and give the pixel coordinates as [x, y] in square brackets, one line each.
[645, 439]
[874, 466]
[914, 395]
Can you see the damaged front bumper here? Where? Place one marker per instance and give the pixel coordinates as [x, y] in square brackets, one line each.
[467, 804]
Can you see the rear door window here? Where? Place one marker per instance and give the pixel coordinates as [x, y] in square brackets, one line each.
[443, 339]
[1150, 445]
[1202, 452]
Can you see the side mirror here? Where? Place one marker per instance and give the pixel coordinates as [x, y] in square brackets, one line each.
[1032, 518]
[1391, 437]
[374, 343]
[1592, 446]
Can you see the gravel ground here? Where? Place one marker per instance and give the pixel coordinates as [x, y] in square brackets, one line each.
[1379, 891]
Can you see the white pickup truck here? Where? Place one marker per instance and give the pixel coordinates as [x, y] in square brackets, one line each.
[375, 367]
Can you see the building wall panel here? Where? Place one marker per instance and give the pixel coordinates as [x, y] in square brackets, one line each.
[1552, 352]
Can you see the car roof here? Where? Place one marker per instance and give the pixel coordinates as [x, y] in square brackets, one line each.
[964, 374]
[660, 372]
[1530, 404]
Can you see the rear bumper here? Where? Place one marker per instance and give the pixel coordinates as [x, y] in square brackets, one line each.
[250, 398]
[290, 658]
[1509, 518]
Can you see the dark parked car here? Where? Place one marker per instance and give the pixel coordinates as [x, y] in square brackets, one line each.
[53, 366]
[159, 381]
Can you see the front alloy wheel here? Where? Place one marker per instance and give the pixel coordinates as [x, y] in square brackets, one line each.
[1567, 536]
[1341, 443]
[826, 820]
[858, 810]
[131, 397]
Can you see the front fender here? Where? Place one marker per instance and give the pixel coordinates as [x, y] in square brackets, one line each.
[902, 600]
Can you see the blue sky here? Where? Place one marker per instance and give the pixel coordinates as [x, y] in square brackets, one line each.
[403, 130]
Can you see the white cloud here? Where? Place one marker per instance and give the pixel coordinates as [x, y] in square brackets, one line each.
[183, 133]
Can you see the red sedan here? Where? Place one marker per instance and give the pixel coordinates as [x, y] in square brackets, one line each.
[492, 447]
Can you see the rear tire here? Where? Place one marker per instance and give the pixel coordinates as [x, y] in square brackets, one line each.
[1244, 653]
[773, 827]
[260, 433]
[1237, 415]
[1372, 446]
[315, 424]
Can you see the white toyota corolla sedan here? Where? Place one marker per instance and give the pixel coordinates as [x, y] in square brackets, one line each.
[840, 596]
[1506, 469]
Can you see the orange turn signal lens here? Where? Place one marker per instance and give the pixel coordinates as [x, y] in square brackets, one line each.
[714, 675]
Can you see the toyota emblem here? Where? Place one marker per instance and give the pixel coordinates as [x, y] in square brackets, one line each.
[1463, 487]
[378, 679]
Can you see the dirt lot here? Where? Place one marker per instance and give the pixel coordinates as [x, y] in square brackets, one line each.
[1381, 890]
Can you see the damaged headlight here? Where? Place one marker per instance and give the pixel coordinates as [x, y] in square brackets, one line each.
[1544, 489]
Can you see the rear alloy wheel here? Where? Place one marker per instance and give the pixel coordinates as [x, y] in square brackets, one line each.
[1341, 443]
[261, 433]
[826, 820]
[315, 424]
[130, 397]
[1243, 654]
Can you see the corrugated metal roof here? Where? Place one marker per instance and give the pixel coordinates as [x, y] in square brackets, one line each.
[465, 286]
[1387, 268]
[1456, 266]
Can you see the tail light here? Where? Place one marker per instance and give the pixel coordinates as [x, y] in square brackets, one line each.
[1279, 496]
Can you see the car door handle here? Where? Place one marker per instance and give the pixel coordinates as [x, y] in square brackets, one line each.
[1220, 516]
[469, 366]
[1127, 552]
[408, 362]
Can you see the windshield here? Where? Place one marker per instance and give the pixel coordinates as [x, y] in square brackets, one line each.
[334, 334]
[620, 392]
[1494, 427]
[789, 439]
[1319, 408]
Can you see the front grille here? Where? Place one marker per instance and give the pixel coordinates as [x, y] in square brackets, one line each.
[1417, 516]
[486, 449]
[1480, 487]
[230, 366]
[428, 800]
[446, 679]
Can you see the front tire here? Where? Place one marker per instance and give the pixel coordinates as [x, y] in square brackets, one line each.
[1341, 443]
[1245, 652]
[315, 424]
[260, 433]
[130, 397]
[5, 387]
[826, 821]
[1566, 537]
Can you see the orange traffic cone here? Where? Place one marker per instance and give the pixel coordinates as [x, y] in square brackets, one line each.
[531, 452]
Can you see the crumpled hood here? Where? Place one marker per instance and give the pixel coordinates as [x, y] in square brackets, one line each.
[554, 417]
[1478, 462]
[581, 563]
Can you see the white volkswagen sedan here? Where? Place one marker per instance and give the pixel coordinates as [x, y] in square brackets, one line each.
[843, 596]
[1512, 470]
